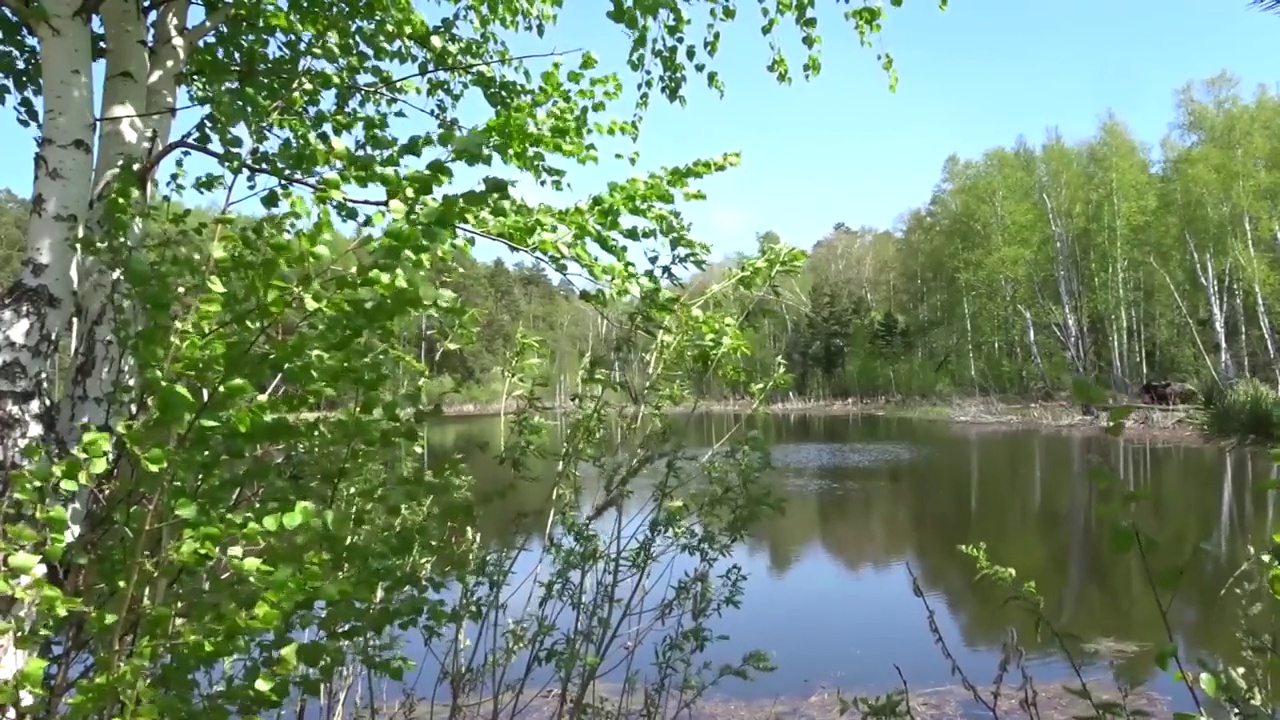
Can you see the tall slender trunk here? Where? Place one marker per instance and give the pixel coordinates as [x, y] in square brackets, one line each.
[1205, 272]
[1035, 348]
[1071, 332]
[73, 237]
[1260, 306]
[968, 329]
[1140, 320]
[37, 308]
[1243, 329]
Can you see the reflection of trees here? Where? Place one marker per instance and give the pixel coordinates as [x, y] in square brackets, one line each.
[1032, 498]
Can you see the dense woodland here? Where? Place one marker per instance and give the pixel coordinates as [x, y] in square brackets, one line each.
[1031, 264]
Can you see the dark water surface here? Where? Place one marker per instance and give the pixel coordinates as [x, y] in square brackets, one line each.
[829, 596]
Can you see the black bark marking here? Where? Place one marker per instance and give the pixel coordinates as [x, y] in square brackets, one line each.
[33, 302]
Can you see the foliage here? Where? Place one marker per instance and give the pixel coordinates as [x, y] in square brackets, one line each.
[185, 536]
[1247, 410]
[1042, 262]
[1162, 269]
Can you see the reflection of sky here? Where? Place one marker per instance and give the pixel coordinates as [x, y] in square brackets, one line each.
[825, 626]
[875, 494]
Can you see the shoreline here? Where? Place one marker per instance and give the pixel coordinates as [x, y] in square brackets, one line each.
[1164, 423]
[1158, 423]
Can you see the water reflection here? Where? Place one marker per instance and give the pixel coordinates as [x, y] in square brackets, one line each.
[829, 596]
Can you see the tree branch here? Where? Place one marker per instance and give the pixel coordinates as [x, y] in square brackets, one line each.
[473, 66]
[21, 10]
[154, 161]
[154, 5]
[211, 22]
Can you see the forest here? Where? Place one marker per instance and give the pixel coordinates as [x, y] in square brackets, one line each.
[1027, 266]
[219, 492]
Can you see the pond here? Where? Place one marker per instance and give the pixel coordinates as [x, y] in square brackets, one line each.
[829, 595]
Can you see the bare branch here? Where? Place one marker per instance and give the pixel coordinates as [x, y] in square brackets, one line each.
[165, 111]
[211, 22]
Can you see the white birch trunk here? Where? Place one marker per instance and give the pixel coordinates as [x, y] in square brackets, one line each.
[1126, 370]
[57, 288]
[101, 361]
[35, 311]
[968, 329]
[1264, 320]
[1141, 322]
[1071, 335]
[1217, 312]
[1035, 348]
[1243, 329]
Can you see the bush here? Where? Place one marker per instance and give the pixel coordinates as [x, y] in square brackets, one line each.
[1247, 410]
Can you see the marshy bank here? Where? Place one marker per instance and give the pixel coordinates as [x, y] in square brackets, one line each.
[1053, 701]
[1173, 423]
[1177, 422]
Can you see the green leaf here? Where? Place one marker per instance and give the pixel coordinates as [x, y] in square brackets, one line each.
[1086, 392]
[1122, 538]
[95, 443]
[271, 522]
[1209, 683]
[186, 509]
[291, 519]
[154, 459]
[1120, 413]
[32, 673]
[1165, 655]
[289, 653]
[22, 562]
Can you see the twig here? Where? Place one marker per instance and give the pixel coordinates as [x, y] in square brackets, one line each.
[934, 630]
[906, 692]
[1164, 619]
[1192, 326]
[468, 66]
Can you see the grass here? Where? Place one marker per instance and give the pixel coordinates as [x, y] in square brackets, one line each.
[1248, 411]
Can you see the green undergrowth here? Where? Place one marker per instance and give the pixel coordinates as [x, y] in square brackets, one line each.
[1248, 411]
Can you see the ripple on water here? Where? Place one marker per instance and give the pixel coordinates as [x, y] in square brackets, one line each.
[816, 456]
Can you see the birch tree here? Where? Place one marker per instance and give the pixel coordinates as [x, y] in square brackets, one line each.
[293, 103]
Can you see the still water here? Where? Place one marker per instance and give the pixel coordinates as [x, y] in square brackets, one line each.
[829, 596]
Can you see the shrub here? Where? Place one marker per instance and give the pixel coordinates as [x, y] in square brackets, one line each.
[1246, 410]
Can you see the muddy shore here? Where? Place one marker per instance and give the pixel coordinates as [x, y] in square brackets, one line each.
[1165, 423]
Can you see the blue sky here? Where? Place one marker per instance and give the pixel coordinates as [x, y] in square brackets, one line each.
[845, 149]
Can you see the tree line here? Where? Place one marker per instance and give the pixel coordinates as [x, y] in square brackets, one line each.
[1038, 262]
[1032, 264]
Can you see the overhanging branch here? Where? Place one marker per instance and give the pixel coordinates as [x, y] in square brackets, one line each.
[154, 161]
[211, 22]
